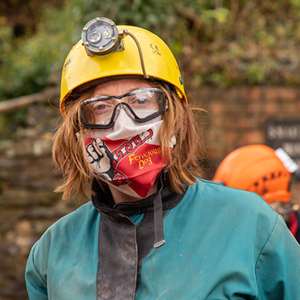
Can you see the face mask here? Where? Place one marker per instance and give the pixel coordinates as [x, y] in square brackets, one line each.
[127, 154]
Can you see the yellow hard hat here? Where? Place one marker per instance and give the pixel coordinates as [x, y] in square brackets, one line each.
[159, 63]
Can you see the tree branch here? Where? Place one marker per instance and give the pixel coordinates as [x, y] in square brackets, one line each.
[16, 103]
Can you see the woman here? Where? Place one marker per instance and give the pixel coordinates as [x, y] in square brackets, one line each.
[153, 229]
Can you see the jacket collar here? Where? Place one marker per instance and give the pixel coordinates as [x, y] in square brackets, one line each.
[103, 201]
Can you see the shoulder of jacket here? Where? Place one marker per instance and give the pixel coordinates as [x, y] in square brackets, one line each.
[72, 221]
[216, 194]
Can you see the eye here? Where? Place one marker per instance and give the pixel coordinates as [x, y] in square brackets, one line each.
[100, 107]
[141, 100]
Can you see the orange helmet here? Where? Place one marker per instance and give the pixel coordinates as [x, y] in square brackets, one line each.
[258, 169]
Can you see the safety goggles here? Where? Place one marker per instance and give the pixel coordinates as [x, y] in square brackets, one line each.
[142, 105]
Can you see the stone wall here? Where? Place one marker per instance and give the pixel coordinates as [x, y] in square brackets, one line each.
[234, 118]
[27, 203]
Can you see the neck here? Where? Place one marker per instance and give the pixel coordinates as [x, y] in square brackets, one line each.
[123, 193]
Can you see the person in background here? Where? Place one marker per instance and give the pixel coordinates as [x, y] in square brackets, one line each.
[267, 172]
[154, 229]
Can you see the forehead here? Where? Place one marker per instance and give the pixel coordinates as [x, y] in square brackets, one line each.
[120, 87]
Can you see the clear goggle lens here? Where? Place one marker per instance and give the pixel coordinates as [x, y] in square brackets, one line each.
[142, 105]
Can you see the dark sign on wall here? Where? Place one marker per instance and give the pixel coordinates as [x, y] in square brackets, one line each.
[284, 134]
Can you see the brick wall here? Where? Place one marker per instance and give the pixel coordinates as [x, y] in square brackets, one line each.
[234, 118]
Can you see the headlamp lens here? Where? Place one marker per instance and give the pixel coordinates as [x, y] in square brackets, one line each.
[100, 36]
[94, 36]
[107, 34]
[142, 105]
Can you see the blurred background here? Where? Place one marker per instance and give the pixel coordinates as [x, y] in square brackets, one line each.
[239, 60]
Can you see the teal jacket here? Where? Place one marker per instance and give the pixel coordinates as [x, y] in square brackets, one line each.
[221, 243]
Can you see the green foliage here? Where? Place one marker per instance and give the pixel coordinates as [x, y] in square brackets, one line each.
[218, 43]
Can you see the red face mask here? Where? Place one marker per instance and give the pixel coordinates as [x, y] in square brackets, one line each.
[129, 154]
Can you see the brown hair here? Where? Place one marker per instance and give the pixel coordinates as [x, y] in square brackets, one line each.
[183, 160]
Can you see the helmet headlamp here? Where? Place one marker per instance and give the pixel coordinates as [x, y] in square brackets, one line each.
[100, 36]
